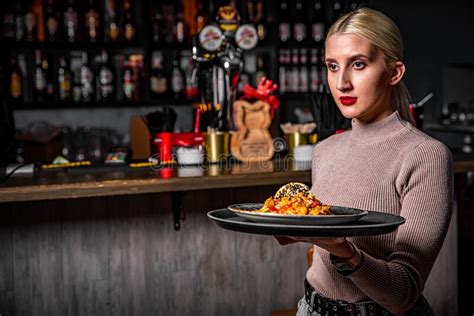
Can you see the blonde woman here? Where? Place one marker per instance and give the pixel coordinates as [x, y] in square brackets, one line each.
[382, 164]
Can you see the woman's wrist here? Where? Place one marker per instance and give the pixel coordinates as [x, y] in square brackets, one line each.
[352, 256]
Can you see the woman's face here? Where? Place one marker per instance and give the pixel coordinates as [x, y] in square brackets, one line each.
[359, 78]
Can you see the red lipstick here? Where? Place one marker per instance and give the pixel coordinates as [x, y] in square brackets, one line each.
[346, 100]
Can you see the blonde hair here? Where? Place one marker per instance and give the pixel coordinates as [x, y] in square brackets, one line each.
[385, 35]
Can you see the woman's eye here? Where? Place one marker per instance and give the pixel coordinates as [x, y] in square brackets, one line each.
[332, 67]
[359, 65]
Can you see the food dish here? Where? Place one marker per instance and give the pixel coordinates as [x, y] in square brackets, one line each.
[294, 199]
[374, 223]
[340, 215]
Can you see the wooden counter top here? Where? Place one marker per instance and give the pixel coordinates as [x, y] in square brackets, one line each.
[80, 183]
[95, 182]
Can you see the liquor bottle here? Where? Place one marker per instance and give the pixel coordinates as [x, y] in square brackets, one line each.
[105, 79]
[92, 23]
[40, 79]
[30, 25]
[300, 23]
[180, 31]
[260, 70]
[303, 72]
[177, 79]
[19, 22]
[158, 81]
[201, 18]
[318, 25]
[16, 82]
[294, 72]
[112, 30]
[87, 80]
[284, 28]
[336, 10]
[50, 79]
[157, 25]
[129, 21]
[8, 24]
[64, 81]
[71, 22]
[52, 22]
[128, 83]
[314, 74]
[260, 21]
[282, 72]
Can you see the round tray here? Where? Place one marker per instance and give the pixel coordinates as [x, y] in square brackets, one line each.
[374, 223]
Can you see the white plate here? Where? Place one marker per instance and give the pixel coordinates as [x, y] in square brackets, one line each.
[341, 215]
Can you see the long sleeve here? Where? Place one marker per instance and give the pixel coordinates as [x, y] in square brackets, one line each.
[426, 185]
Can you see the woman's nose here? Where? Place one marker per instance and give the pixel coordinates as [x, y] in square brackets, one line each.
[343, 81]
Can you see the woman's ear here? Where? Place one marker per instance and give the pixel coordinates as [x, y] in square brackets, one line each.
[397, 73]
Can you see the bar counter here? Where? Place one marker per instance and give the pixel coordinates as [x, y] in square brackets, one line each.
[109, 181]
[83, 182]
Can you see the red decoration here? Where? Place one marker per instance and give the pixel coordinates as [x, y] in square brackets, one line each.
[263, 92]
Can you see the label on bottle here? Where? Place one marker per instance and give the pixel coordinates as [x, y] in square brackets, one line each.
[106, 78]
[128, 85]
[315, 80]
[129, 32]
[70, 23]
[64, 87]
[158, 85]
[318, 31]
[40, 80]
[284, 31]
[303, 79]
[177, 82]
[15, 85]
[52, 26]
[299, 31]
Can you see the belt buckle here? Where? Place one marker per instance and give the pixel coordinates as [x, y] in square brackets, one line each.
[311, 301]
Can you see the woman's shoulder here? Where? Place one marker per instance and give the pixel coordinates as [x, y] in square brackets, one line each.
[425, 147]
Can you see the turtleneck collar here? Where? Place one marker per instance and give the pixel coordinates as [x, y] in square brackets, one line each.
[378, 131]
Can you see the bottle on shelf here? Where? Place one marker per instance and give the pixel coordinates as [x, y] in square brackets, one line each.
[128, 82]
[8, 24]
[261, 72]
[336, 10]
[180, 28]
[201, 17]
[16, 82]
[303, 72]
[64, 81]
[39, 86]
[158, 80]
[260, 21]
[299, 22]
[19, 22]
[92, 23]
[157, 25]
[177, 79]
[282, 71]
[105, 79]
[52, 22]
[284, 27]
[318, 24]
[314, 74]
[294, 79]
[129, 25]
[71, 22]
[31, 24]
[50, 79]
[87, 79]
[112, 30]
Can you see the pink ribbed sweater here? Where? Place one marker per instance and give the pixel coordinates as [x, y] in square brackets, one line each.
[387, 166]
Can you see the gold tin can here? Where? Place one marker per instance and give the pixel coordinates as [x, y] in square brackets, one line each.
[217, 146]
[296, 139]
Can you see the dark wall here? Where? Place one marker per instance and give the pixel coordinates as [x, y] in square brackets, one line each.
[436, 34]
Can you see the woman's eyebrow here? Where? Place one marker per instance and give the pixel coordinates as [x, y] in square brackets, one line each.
[351, 58]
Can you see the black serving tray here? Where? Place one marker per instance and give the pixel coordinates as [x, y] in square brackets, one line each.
[374, 223]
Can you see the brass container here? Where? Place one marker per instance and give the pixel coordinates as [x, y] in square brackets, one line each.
[296, 139]
[217, 146]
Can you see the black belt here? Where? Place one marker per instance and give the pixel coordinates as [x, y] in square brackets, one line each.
[329, 307]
